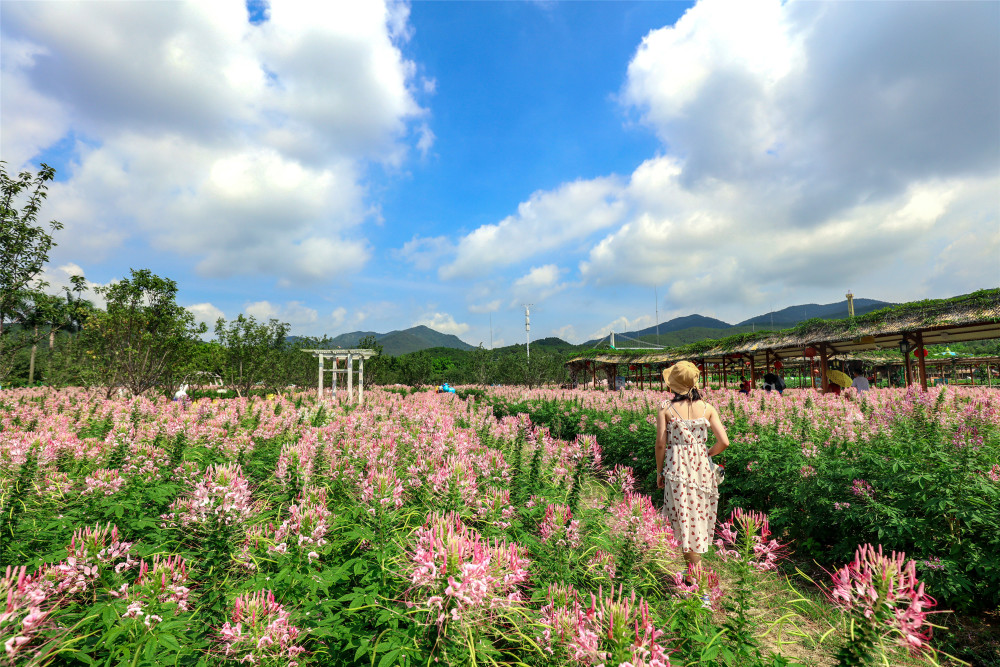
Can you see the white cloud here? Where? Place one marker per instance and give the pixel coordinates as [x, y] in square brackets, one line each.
[205, 312]
[623, 324]
[243, 147]
[546, 221]
[295, 313]
[443, 323]
[539, 277]
[567, 333]
[425, 253]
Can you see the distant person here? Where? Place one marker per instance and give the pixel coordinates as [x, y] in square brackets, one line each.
[744, 385]
[860, 381]
[774, 383]
[831, 387]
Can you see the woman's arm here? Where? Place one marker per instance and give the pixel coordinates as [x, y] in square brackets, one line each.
[721, 437]
[661, 444]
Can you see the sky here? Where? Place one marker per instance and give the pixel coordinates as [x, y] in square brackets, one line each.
[372, 166]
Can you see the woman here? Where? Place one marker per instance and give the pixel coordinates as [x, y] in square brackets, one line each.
[691, 496]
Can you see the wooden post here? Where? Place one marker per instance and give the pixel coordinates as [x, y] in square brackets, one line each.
[823, 359]
[920, 361]
[767, 361]
[725, 373]
[704, 374]
[907, 370]
[752, 369]
[642, 377]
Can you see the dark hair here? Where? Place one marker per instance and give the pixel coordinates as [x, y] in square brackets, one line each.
[693, 395]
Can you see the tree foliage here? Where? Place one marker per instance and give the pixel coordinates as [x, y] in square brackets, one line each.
[24, 250]
[251, 352]
[142, 337]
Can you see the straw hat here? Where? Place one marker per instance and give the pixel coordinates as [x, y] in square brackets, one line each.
[681, 377]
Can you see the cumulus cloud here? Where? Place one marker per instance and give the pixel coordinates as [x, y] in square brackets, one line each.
[206, 313]
[793, 162]
[242, 146]
[442, 322]
[295, 313]
[548, 220]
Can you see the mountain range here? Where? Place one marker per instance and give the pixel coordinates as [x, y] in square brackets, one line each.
[678, 331]
[409, 340]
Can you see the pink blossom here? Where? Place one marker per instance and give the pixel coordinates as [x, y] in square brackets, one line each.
[703, 581]
[259, 629]
[745, 537]
[559, 529]
[884, 591]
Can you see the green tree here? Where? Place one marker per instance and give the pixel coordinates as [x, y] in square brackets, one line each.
[143, 335]
[24, 250]
[36, 313]
[251, 351]
[377, 367]
[416, 368]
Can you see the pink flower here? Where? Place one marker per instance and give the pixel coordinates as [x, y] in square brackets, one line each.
[745, 537]
[705, 582]
[456, 573]
[559, 529]
[884, 591]
[259, 629]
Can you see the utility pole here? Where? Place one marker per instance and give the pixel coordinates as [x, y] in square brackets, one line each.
[527, 329]
[850, 303]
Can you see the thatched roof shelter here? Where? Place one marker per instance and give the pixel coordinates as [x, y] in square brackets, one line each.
[907, 328]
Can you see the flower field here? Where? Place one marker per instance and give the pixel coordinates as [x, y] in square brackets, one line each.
[426, 529]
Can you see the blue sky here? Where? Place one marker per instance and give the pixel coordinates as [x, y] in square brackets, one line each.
[372, 166]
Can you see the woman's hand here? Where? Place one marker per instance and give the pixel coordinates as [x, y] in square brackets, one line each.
[660, 482]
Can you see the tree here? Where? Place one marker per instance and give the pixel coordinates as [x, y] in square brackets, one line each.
[142, 336]
[376, 367]
[251, 351]
[24, 250]
[34, 311]
[416, 368]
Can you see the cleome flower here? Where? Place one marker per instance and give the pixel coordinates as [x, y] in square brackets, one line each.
[162, 582]
[558, 528]
[884, 591]
[635, 520]
[704, 582]
[612, 630]
[259, 632]
[221, 497]
[455, 573]
[25, 613]
[745, 536]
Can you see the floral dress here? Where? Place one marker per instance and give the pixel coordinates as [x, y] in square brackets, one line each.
[690, 495]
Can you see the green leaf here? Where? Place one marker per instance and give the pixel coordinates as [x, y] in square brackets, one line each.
[389, 658]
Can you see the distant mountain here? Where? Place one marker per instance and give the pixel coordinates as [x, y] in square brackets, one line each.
[681, 323]
[409, 340]
[789, 317]
[694, 328]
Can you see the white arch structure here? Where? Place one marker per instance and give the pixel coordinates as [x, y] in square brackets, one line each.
[348, 356]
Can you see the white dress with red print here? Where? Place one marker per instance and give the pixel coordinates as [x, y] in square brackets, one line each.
[690, 495]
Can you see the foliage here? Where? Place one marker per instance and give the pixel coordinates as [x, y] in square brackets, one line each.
[24, 250]
[916, 472]
[416, 529]
[141, 337]
[250, 352]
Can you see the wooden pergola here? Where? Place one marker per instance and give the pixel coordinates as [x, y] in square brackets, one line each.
[348, 357]
[908, 328]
